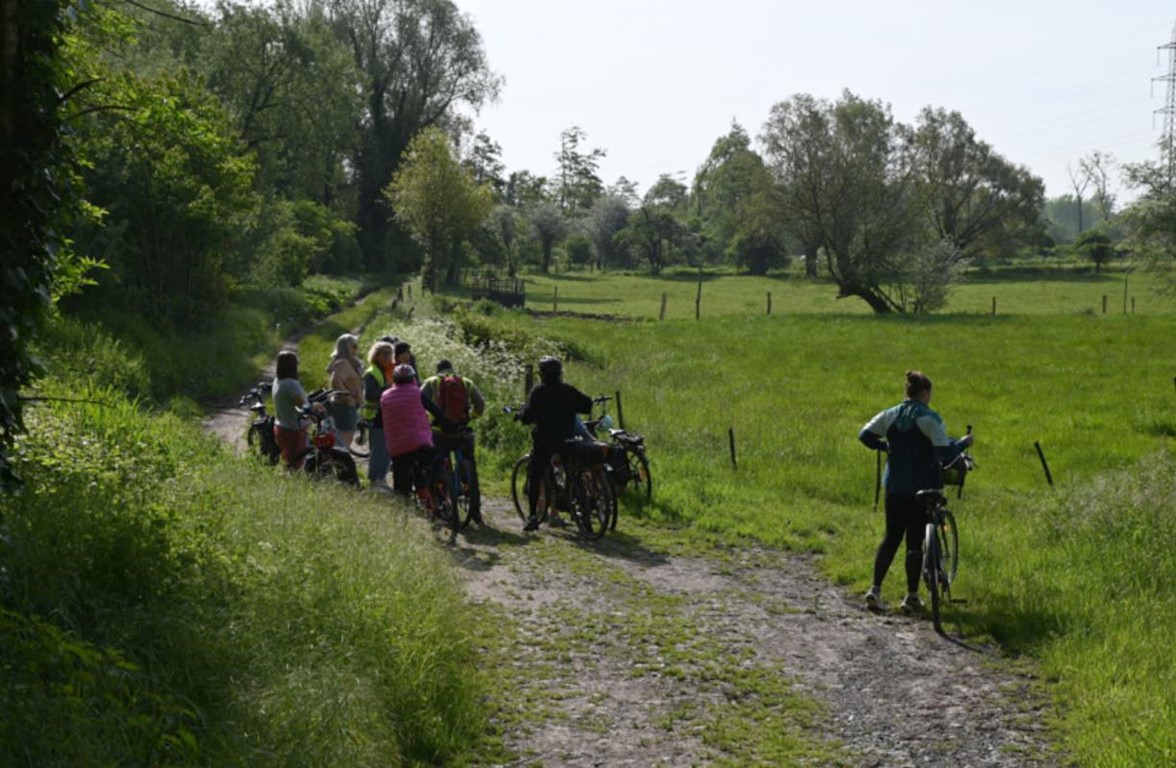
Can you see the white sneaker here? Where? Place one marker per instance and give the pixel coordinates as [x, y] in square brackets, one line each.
[874, 599]
[912, 604]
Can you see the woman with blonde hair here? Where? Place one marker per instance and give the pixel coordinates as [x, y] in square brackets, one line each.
[375, 381]
[346, 371]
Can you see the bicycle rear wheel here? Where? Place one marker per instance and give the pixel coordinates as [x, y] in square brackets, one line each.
[639, 476]
[933, 571]
[949, 550]
[460, 492]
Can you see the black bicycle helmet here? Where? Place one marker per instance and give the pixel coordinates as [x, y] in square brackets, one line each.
[550, 368]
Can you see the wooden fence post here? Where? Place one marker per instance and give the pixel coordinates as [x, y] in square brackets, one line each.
[698, 298]
[1041, 455]
[662, 314]
[555, 300]
[769, 302]
[620, 410]
[1104, 303]
[994, 306]
[731, 442]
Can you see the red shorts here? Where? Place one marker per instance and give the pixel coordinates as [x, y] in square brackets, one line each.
[293, 443]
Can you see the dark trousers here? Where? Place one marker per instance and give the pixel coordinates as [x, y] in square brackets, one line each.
[413, 470]
[444, 443]
[905, 518]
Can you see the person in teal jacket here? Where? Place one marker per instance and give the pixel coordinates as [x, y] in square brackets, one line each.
[917, 447]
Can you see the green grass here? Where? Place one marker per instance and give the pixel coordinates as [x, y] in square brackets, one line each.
[165, 603]
[723, 293]
[1077, 576]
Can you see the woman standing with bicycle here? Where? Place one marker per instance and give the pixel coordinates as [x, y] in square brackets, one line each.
[288, 394]
[916, 446]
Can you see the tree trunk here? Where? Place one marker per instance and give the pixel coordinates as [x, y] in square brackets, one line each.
[877, 302]
[811, 260]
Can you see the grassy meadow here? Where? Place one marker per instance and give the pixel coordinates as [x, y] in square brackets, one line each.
[1077, 576]
[168, 603]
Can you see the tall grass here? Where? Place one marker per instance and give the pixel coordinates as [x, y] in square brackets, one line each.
[163, 603]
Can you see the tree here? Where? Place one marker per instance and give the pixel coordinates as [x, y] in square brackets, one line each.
[37, 195]
[844, 187]
[484, 161]
[504, 224]
[1097, 167]
[608, 216]
[577, 179]
[420, 60]
[970, 195]
[724, 182]
[1079, 182]
[293, 90]
[438, 201]
[550, 227]
[656, 228]
[1095, 246]
[1151, 218]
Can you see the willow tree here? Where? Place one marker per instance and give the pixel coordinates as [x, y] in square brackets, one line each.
[436, 199]
[419, 60]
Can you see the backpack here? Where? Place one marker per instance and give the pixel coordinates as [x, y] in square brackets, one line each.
[453, 398]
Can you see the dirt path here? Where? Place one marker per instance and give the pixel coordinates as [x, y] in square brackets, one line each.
[637, 657]
[624, 654]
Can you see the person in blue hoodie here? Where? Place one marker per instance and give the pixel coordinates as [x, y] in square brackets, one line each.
[917, 447]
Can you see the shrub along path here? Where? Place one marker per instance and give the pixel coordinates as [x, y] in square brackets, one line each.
[634, 651]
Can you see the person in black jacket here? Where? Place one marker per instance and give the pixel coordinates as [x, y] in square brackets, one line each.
[551, 407]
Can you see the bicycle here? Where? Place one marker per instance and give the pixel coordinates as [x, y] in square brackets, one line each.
[360, 446]
[323, 458]
[941, 545]
[575, 481]
[431, 486]
[457, 471]
[261, 432]
[631, 466]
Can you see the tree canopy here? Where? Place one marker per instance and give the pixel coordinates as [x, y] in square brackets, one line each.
[437, 199]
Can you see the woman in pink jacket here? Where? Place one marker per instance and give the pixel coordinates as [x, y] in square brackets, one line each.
[407, 432]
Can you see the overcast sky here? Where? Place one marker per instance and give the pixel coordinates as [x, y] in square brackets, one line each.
[655, 82]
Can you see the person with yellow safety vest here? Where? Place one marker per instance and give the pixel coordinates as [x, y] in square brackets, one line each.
[375, 381]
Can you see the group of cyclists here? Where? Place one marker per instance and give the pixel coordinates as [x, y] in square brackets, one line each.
[411, 424]
[389, 396]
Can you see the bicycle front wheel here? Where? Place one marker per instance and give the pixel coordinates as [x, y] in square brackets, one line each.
[361, 446]
[518, 485]
[933, 571]
[592, 502]
[444, 506]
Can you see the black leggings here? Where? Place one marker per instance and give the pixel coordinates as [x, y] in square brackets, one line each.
[905, 517]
